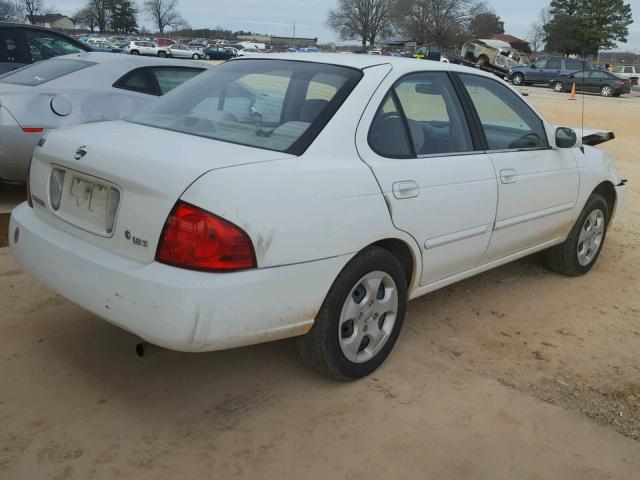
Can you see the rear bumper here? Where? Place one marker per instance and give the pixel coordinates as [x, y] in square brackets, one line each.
[174, 308]
[16, 148]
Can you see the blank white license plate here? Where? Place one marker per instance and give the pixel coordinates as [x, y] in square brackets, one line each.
[89, 203]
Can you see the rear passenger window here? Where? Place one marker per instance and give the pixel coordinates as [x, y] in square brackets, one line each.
[388, 135]
[170, 78]
[554, 64]
[507, 121]
[573, 64]
[434, 115]
[8, 49]
[138, 81]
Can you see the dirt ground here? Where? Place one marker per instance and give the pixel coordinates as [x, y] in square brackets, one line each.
[518, 373]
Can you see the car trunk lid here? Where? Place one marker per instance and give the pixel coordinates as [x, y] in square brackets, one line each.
[118, 181]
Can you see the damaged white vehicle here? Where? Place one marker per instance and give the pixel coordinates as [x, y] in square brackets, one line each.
[73, 89]
[212, 220]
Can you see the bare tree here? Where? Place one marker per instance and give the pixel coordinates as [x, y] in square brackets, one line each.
[164, 13]
[101, 12]
[86, 17]
[7, 11]
[537, 33]
[33, 7]
[435, 21]
[364, 19]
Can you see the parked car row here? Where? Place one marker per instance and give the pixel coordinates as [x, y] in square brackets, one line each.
[561, 74]
[195, 222]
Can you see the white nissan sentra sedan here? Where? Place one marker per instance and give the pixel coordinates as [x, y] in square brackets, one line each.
[307, 196]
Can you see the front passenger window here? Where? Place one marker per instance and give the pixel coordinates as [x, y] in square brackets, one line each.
[507, 121]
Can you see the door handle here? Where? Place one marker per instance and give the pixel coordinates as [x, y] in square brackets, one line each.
[508, 175]
[406, 189]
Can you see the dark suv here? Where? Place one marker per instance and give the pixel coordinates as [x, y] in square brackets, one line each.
[21, 45]
[546, 69]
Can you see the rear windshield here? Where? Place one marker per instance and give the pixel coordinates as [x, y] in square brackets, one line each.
[272, 104]
[43, 72]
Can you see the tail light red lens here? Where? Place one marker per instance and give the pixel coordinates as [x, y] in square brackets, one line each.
[196, 239]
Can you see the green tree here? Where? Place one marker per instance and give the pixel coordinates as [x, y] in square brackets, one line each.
[123, 16]
[585, 26]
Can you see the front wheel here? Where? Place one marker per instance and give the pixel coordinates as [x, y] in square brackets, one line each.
[196, 56]
[134, 52]
[360, 319]
[162, 54]
[207, 57]
[606, 91]
[558, 87]
[582, 247]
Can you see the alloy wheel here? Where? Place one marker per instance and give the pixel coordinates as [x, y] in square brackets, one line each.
[606, 91]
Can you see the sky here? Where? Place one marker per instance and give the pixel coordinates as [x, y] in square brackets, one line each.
[276, 17]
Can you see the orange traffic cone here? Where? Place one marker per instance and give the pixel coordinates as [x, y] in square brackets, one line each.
[573, 92]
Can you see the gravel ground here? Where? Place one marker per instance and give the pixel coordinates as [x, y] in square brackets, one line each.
[516, 373]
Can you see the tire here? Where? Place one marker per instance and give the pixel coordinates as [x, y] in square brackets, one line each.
[347, 349]
[566, 258]
[558, 87]
[134, 52]
[162, 54]
[606, 91]
[517, 79]
[207, 57]
[196, 56]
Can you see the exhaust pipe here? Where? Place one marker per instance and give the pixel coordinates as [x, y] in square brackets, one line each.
[145, 349]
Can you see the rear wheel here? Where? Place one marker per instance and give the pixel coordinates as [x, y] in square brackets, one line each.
[207, 57]
[162, 54]
[517, 79]
[606, 91]
[134, 52]
[360, 319]
[196, 56]
[582, 247]
[558, 87]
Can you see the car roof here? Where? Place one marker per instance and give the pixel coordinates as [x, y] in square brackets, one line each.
[362, 61]
[114, 58]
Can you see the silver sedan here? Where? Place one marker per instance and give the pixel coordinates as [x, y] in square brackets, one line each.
[74, 89]
[184, 51]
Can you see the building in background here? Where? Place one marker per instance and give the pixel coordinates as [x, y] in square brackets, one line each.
[276, 41]
[51, 20]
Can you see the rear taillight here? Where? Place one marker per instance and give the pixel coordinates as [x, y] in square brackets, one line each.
[197, 239]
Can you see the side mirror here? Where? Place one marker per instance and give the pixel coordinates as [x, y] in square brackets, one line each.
[566, 137]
